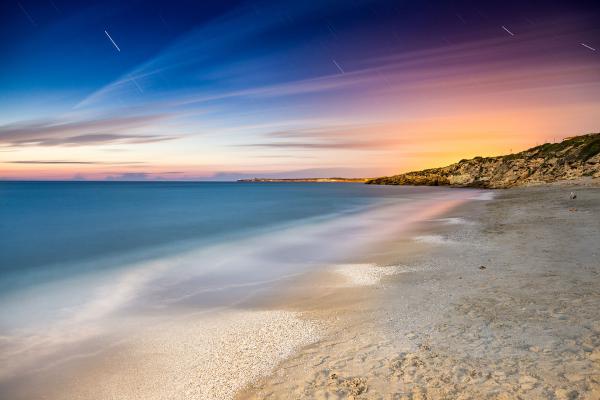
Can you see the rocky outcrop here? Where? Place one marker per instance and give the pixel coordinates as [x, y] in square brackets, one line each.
[573, 158]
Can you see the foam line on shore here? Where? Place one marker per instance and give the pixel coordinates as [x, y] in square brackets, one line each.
[454, 221]
[368, 274]
[433, 239]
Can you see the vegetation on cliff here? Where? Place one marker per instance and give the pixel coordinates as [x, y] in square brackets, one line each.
[573, 158]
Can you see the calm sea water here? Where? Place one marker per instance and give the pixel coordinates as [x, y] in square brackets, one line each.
[49, 229]
[88, 260]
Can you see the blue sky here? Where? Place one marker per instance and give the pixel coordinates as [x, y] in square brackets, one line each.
[202, 90]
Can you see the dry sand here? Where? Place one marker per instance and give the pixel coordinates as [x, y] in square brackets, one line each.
[501, 301]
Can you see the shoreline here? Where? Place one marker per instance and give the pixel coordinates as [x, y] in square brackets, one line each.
[150, 356]
[415, 317]
[527, 325]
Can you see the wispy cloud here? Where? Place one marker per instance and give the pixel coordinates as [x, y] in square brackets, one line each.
[58, 162]
[342, 137]
[113, 130]
[340, 144]
[206, 49]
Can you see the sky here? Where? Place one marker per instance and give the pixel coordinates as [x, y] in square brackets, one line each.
[189, 90]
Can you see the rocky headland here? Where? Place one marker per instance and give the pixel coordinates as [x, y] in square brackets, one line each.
[573, 158]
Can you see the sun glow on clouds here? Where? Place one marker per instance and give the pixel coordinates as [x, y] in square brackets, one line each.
[228, 99]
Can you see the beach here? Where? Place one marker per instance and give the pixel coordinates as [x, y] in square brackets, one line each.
[498, 299]
[206, 313]
[482, 294]
[300, 200]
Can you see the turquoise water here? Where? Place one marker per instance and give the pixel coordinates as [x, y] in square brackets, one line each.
[50, 229]
[84, 262]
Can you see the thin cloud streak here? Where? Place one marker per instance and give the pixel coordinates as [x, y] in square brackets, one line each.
[82, 132]
[59, 162]
[308, 145]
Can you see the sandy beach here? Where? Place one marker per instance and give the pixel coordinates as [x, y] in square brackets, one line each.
[300, 200]
[499, 299]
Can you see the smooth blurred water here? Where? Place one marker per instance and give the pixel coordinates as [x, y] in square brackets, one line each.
[49, 229]
[83, 261]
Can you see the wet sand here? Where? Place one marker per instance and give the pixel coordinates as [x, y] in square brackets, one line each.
[500, 299]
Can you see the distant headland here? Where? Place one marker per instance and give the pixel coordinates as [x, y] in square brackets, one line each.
[360, 180]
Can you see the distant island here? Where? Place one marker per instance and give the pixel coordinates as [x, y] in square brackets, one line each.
[573, 158]
[304, 180]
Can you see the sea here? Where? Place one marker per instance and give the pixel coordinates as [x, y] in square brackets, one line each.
[79, 258]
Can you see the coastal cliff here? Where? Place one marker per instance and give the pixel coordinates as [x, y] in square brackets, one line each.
[573, 158]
